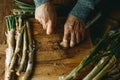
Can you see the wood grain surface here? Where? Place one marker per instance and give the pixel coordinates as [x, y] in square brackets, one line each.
[51, 61]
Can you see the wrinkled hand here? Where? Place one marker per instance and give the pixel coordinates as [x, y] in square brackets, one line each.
[74, 32]
[46, 15]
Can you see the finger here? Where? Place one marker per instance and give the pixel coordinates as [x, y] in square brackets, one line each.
[44, 24]
[65, 42]
[77, 32]
[37, 18]
[51, 24]
[78, 37]
[73, 40]
[49, 27]
[82, 29]
[83, 35]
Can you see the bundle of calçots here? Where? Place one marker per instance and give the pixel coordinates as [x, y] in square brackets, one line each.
[107, 55]
[23, 8]
[20, 51]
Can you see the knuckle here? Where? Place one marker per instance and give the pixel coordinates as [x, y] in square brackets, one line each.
[66, 32]
[72, 44]
[71, 27]
[36, 16]
[65, 26]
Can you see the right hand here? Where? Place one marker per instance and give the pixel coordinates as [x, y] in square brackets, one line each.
[46, 15]
[74, 32]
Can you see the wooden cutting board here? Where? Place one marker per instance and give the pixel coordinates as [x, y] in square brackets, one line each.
[52, 61]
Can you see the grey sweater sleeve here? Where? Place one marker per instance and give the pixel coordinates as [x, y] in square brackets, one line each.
[39, 2]
[83, 8]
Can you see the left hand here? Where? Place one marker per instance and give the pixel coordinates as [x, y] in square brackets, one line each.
[74, 32]
[47, 16]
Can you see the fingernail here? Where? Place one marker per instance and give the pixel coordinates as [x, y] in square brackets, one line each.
[64, 44]
[61, 44]
[48, 32]
[72, 44]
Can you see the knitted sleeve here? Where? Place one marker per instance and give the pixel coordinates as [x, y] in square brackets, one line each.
[39, 2]
[83, 8]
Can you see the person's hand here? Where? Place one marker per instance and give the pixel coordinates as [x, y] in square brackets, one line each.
[74, 32]
[46, 15]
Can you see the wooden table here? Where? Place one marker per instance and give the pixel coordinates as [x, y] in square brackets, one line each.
[51, 61]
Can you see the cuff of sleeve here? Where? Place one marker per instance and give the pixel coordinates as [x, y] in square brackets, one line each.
[81, 10]
[39, 2]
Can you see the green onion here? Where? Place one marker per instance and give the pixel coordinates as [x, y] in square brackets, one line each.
[23, 4]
